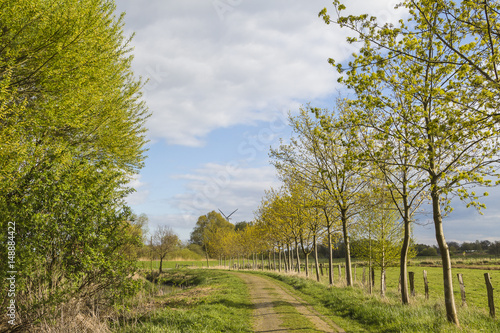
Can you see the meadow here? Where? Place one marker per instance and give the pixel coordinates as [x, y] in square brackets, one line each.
[474, 282]
[169, 264]
[351, 308]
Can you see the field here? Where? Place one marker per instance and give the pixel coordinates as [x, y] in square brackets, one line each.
[474, 282]
[352, 308]
[155, 264]
[475, 287]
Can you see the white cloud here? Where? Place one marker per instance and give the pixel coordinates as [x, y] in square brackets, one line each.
[141, 193]
[211, 67]
[226, 187]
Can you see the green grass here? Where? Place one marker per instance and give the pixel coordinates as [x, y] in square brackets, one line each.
[351, 308]
[292, 319]
[475, 287]
[219, 302]
[373, 314]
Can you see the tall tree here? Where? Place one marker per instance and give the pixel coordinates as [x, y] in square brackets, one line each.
[204, 221]
[326, 155]
[71, 136]
[164, 241]
[391, 161]
[378, 235]
[206, 229]
[449, 126]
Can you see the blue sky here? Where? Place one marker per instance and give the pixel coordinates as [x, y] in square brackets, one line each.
[223, 74]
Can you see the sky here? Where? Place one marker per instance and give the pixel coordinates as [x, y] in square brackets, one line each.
[222, 77]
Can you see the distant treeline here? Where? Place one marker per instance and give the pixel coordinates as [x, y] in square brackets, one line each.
[484, 247]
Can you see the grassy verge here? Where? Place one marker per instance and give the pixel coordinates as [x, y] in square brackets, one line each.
[374, 314]
[213, 302]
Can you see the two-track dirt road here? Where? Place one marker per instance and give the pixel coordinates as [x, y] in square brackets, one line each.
[266, 294]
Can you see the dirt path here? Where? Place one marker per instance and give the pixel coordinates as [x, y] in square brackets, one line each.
[265, 294]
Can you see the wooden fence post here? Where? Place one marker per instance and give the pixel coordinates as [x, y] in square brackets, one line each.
[340, 273]
[489, 287]
[321, 267]
[426, 285]
[373, 277]
[364, 275]
[355, 266]
[412, 282]
[462, 288]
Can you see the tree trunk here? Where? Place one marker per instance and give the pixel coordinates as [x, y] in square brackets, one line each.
[307, 264]
[382, 282]
[403, 263]
[370, 282]
[279, 259]
[348, 276]
[274, 259]
[382, 266]
[290, 259]
[298, 257]
[316, 258]
[286, 256]
[330, 258]
[451, 311]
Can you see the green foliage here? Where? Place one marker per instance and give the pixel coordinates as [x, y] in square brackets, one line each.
[137, 229]
[378, 237]
[428, 252]
[185, 254]
[196, 249]
[71, 136]
[211, 220]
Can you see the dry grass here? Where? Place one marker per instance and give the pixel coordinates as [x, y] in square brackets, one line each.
[75, 318]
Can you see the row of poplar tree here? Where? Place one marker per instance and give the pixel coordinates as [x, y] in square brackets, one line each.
[71, 137]
[423, 116]
[419, 123]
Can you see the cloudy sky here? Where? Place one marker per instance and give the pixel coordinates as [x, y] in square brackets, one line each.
[223, 74]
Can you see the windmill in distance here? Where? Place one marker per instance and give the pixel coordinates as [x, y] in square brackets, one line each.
[228, 216]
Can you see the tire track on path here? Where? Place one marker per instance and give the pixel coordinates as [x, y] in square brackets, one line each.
[265, 293]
